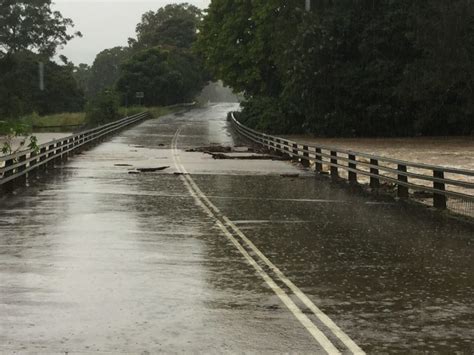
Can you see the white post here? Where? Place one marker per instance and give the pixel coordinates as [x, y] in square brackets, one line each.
[41, 76]
[308, 5]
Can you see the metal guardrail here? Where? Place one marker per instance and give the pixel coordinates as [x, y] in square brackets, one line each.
[17, 166]
[406, 176]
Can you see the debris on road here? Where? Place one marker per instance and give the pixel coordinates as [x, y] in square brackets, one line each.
[290, 175]
[211, 149]
[148, 170]
[241, 156]
[122, 165]
[152, 170]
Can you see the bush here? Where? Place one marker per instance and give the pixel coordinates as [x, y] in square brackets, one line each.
[266, 114]
[103, 108]
[14, 128]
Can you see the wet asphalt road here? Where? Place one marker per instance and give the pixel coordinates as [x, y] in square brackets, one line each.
[230, 258]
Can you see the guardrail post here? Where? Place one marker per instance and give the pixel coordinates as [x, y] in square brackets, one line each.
[8, 187]
[439, 200]
[8, 163]
[57, 153]
[64, 149]
[286, 149]
[21, 180]
[33, 163]
[352, 165]
[50, 155]
[319, 160]
[42, 158]
[334, 169]
[271, 143]
[305, 160]
[296, 156]
[402, 190]
[374, 181]
[278, 145]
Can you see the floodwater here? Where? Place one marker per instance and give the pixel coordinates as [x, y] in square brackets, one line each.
[455, 152]
[94, 259]
[42, 138]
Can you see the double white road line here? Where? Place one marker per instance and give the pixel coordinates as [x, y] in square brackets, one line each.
[242, 243]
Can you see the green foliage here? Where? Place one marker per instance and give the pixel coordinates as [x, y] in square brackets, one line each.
[82, 74]
[174, 25]
[351, 68]
[165, 76]
[19, 87]
[265, 113]
[11, 130]
[32, 25]
[103, 108]
[64, 119]
[105, 70]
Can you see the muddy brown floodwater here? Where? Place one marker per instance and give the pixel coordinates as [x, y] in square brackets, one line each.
[42, 138]
[222, 256]
[457, 152]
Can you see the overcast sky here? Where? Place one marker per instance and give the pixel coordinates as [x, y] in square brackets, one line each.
[106, 23]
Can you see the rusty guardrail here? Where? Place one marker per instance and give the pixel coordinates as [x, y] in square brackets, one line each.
[440, 184]
[17, 166]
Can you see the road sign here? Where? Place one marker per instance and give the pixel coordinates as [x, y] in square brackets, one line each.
[140, 95]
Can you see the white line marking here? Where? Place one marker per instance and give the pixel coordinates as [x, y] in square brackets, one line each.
[328, 322]
[304, 320]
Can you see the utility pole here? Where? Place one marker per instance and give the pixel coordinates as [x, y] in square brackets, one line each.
[308, 5]
[41, 76]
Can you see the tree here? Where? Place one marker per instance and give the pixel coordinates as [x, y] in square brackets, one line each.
[165, 76]
[174, 25]
[20, 93]
[105, 70]
[82, 73]
[439, 83]
[33, 26]
[362, 68]
[102, 108]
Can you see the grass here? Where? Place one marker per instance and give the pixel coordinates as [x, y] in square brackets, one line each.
[67, 121]
[56, 120]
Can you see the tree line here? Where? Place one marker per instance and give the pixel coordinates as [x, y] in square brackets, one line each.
[346, 68]
[159, 62]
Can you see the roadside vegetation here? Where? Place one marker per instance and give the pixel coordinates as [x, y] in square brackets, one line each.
[346, 68]
[159, 62]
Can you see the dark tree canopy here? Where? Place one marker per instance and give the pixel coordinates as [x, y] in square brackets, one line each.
[82, 75]
[105, 71]
[174, 25]
[363, 68]
[161, 61]
[20, 93]
[32, 25]
[165, 76]
[30, 32]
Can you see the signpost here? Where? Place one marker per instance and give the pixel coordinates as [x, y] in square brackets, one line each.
[308, 5]
[140, 95]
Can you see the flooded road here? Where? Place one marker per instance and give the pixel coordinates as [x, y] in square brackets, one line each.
[222, 256]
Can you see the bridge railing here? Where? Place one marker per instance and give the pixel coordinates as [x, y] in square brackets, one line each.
[17, 166]
[444, 186]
